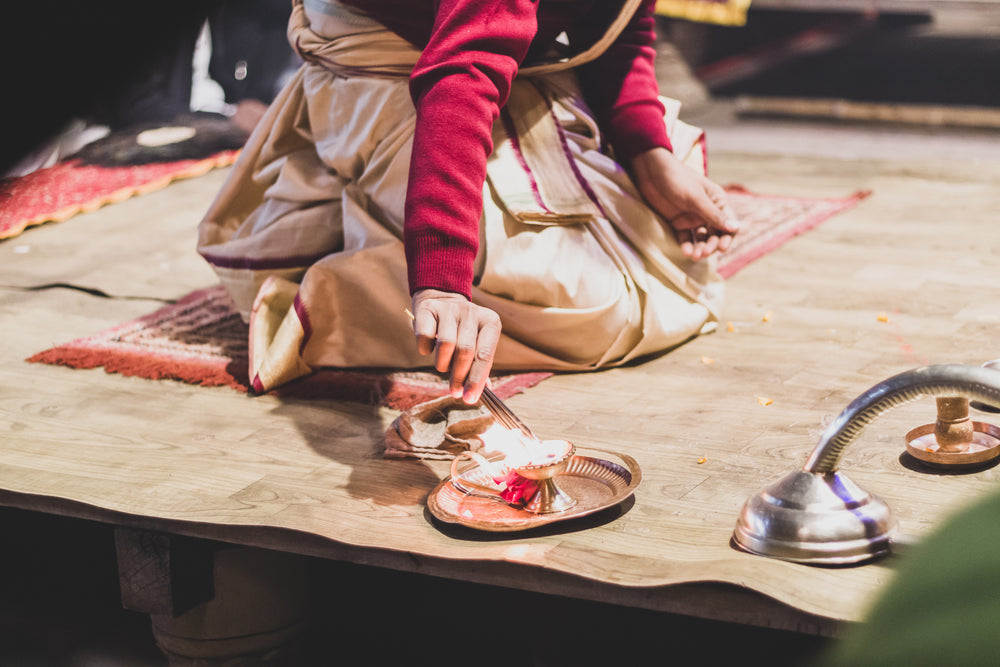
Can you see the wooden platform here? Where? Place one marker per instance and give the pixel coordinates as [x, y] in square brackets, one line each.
[907, 278]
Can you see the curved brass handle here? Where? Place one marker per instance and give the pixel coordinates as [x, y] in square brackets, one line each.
[973, 382]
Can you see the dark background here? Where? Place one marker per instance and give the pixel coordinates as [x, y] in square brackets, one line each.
[120, 63]
[117, 61]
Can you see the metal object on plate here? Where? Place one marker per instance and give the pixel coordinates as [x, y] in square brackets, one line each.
[504, 415]
[548, 497]
[984, 447]
[954, 440]
[817, 514]
[596, 479]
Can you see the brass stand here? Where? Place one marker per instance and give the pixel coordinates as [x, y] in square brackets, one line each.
[547, 498]
[954, 440]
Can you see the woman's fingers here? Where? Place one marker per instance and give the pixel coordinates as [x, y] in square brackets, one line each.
[725, 219]
[464, 352]
[446, 339]
[698, 239]
[709, 245]
[696, 207]
[725, 241]
[462, 336]
[425, 328]
[482, 362]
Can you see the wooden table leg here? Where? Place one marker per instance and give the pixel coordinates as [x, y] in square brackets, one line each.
[213, 603]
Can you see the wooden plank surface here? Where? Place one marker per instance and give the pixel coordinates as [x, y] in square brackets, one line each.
[850, 110]
[909, 277]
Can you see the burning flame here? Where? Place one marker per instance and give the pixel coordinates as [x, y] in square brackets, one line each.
[518, 450]
[515, 451]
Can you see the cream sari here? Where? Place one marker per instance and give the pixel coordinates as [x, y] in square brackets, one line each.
[306, 232]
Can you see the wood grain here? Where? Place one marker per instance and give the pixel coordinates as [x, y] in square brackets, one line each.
[907, 278]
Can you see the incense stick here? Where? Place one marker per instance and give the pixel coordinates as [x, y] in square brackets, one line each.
[503, 414]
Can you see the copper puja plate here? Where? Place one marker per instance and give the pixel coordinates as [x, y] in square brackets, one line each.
[985, 446]
[596, 483]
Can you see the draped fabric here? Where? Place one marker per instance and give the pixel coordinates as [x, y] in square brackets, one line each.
[306, 234]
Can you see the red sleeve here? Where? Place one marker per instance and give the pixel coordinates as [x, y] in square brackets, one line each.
[622, 89]
[460, 82]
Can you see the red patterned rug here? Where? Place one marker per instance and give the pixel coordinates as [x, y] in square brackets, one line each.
[201, 339]
[59, 192]
[768, 221]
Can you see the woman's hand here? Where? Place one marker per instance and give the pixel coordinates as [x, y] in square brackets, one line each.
[462, 336]
[695, 207]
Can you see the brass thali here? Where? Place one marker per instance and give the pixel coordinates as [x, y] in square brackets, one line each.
[597, 479]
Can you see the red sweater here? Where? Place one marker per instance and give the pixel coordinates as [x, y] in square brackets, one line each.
[471, 51]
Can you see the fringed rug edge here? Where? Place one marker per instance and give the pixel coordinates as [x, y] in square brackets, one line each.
[205, 373]
[198, 168]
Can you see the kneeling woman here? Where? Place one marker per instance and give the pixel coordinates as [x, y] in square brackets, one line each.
[505, 170]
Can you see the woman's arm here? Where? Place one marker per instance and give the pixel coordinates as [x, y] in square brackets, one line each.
[460, 82]
[622, 88]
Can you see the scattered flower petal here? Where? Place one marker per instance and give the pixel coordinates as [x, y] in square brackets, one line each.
[516, 490]
[702, 460]
[767, 317]
[764, 401]
[707, 360]
[883, 317]
[730, 326]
